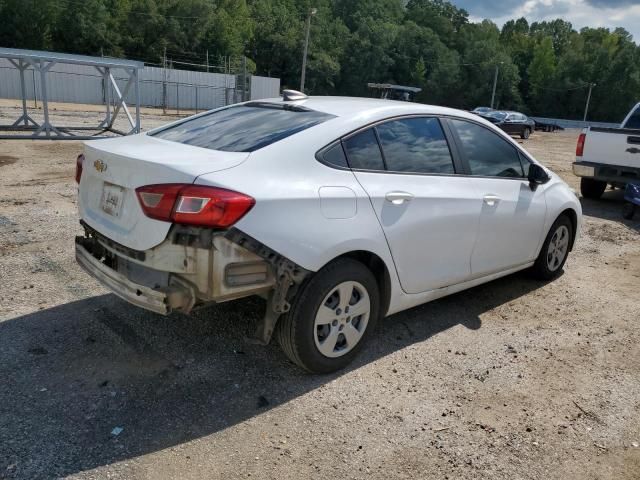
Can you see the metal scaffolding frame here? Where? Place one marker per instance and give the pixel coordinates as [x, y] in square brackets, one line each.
[25, 127]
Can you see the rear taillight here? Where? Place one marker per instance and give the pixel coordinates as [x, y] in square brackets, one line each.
[580, 145]
[194, 204]
[79, 162]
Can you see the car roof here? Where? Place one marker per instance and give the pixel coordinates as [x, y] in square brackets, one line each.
[353, 107]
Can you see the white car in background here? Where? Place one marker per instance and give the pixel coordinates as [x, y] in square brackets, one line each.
[339, 211]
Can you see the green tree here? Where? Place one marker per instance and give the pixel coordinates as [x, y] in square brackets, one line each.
[27, 23]
[541, 74]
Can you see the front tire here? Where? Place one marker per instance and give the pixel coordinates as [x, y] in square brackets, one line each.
[331, 317]
[555, 250]
[628, 211]
[592, 188]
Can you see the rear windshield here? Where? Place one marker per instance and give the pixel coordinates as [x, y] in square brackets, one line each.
[634, 120]
[243, 128]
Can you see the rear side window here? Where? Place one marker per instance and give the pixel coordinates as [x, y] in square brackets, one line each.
[488, 154]
[335, 156]
[363, 151]
[634, 120]
[415, 145]
[243, 128]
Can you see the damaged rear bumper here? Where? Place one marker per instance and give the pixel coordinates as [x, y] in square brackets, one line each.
[162, 301]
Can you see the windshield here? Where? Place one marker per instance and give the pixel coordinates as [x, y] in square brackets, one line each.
[243, 128]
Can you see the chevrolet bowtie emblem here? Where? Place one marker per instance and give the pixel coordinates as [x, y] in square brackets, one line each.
[100, 166]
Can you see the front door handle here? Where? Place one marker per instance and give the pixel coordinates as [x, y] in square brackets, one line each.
[491, 200]
[398, 198]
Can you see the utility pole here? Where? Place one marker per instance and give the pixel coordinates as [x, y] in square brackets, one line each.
[495, 83]
[207, 60]
[312, 12]
[586, 107]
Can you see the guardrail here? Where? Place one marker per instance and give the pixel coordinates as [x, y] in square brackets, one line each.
[574, 123]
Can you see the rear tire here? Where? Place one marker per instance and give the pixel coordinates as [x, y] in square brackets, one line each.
[525, 133]
[555, 250]
[319, 333]
[592, 188]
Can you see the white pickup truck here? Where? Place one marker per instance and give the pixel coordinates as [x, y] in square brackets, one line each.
[608, 156]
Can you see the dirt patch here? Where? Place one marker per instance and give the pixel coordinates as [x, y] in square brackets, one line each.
[7, 160]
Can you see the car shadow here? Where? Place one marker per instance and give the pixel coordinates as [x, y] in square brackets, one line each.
[609, 207]
[96, 381]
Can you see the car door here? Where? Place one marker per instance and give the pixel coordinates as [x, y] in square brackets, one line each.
[511, 124]
[512, 214]
[428, 213]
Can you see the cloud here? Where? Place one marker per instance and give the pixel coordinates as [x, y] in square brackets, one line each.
[581, 13]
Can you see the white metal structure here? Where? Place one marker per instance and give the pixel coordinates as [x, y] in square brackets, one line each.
[608, 155]
[42, 62]
[337, 210]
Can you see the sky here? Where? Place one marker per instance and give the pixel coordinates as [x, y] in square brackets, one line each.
[581, 13]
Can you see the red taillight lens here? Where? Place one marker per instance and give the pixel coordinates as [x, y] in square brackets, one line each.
[194, 204]
[79, 162]
[580, 145]
[157, 201]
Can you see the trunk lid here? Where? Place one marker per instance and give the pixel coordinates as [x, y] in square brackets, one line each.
[114, 168]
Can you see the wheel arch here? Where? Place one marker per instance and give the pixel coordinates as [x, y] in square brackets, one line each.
[380, 271]
[573, 217]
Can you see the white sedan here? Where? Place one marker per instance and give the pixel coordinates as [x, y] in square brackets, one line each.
[338, 211]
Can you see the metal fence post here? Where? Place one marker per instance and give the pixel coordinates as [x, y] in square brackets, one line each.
[178, 98]
[35, 92]
[197, 98]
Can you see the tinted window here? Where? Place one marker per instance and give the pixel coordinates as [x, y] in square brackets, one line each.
[363, 151]
[415, 145]
[243, 128]
[634, 120]
[335, 156]
[487, 153]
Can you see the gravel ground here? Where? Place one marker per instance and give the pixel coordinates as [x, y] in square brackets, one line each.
[515, 379]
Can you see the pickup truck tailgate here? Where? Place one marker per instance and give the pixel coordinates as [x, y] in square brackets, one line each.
[612, 146]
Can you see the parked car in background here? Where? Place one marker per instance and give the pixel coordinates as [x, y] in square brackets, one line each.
[338, 211]
[513, 123]
[481, 110]
[608, 156]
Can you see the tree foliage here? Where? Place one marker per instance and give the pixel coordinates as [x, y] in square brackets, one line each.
[544, 68]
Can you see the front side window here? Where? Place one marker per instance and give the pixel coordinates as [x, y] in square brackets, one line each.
[243, 128]
[415, 145]
[363, 151]
[487, 153]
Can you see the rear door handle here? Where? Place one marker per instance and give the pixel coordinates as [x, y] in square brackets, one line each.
[491, 200]
[398, 198]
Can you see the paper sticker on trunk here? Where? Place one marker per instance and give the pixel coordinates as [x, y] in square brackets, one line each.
[112, 196]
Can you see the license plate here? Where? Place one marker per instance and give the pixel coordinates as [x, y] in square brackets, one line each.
[112, 197]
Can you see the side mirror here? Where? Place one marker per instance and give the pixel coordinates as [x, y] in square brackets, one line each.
[537, 176]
